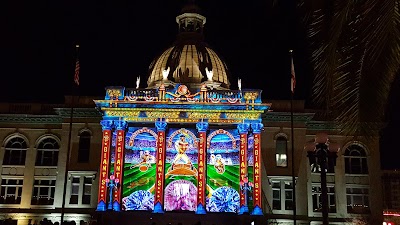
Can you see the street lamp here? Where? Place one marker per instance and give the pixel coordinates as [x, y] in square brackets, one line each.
[112, 184]
[321, 153]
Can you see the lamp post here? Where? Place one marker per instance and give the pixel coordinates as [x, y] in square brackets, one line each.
[112, 183]
[321, 153]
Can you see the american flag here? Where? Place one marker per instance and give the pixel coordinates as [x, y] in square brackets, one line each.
[293, 77]
[76, 76]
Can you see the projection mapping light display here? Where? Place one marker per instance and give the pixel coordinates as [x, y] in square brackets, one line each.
[250, 166]
[181, 170]
[222, 193]
[181, 165]
[139, 169]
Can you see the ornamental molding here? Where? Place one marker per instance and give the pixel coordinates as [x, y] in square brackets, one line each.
[30, 119]
[286, 117]
[78, 112]
[322, 125]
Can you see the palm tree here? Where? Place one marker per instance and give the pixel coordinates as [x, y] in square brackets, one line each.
[355, 54]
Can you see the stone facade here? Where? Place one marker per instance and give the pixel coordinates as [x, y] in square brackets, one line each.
[354, 185]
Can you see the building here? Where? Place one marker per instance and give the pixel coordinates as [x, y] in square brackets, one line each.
[188, 94]
[391, 196]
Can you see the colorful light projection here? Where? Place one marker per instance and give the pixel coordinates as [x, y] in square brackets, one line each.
[222, 194]
[105, 158]
[181, 170]
[250, 167]
[139, 169]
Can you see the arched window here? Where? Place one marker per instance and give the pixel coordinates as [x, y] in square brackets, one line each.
[47, 152]
[15, 152]
[84, 146]
[281, 151]
[355, 160]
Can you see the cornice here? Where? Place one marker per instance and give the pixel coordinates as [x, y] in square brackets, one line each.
[322, 125]
[30, 119]
[78, 112]
[286, 117]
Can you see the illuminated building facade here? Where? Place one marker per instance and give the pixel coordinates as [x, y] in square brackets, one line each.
[186, 149]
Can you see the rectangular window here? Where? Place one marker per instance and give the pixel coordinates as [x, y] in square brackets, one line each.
[87, 190]
[84, 148]
[281, 148]
[282, 195]
[288, 195]
[357, 200]
[75, 183]
[317, 198]
[81, 189]
[11, 191]
[43, 192]
[276, 195]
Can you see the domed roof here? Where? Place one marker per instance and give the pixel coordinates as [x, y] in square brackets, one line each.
[189, 60]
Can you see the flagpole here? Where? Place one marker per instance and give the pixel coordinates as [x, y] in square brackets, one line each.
[292, 84]
[76, 82]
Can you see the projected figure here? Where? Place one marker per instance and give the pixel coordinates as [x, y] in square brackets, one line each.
[146, 160]
[181, 145]
[219, 164]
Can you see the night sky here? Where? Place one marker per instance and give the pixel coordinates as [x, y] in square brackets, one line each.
[119, 39]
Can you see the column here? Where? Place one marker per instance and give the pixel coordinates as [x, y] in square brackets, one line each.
[104, 164]
[243, 130]
[201, 181]
[257, 209]
[161, 126]
[120, 126]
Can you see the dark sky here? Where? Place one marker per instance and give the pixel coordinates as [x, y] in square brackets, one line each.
[119, 39]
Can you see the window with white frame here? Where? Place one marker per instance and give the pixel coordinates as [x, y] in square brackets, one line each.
[317, 198]
[281, 152]
[15, 152]
[81, 189]
[282, 195]
[43, 192]
[355, 160]
[357, 199]
[276, 195]
[87, 189]
[47, 152]
[11, 191]
[74, 197]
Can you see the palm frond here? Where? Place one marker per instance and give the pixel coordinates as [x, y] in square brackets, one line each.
[355, 55]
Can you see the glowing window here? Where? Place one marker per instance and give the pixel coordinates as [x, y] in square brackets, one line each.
[281, 152]
[357, 200]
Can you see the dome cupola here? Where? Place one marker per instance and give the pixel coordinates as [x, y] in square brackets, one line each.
[189, 60]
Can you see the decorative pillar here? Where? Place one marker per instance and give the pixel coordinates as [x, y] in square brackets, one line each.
[120, 127]
[257, 127]
[201, 181]
[104, 164]
[161, 93]
[203, 93]
[243, 130]
[161, 126]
